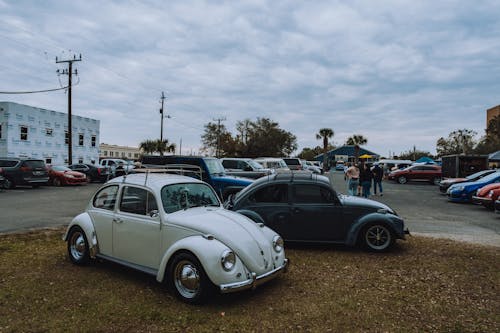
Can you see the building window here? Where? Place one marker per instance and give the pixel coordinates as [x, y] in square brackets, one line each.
[92, 141]
[66, 137]
[80, 139]
[65, 161]
[129, 154]
[24, 133]
[111, 154]
[105, 153]
[48, 161]
[80, 160]
[48, 131]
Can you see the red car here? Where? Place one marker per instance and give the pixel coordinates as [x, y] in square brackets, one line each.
[60, 175]
[487, 195]
[431, 173]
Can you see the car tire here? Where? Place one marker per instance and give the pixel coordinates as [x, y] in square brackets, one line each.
[78, 246]
[436, 180]
[188, 279]
[377, 237]
[57, 182]
[9, 184]
[402, 180]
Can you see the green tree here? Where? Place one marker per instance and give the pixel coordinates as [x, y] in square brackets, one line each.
[491, 141]
[356, 140]
[216, 139]
[458, 142]
[148, 146]
[163, 146]
[310, 153]
[325, 134]
[414, 154]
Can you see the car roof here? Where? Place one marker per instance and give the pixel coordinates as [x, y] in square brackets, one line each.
[153, 180]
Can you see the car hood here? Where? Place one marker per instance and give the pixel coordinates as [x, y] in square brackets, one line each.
[453, 180]
[246, 238]
[353, 201]
[232, 180]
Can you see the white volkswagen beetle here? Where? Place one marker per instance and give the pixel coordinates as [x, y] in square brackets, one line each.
[175, 228]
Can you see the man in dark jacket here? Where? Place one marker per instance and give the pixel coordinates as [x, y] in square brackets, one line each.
[378, 174]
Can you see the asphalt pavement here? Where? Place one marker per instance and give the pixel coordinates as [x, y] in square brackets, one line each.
[424, 209]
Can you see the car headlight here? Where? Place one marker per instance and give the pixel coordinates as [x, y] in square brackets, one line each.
[278, 243]
[228, 260]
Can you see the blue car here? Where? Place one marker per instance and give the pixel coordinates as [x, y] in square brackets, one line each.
[463, 192]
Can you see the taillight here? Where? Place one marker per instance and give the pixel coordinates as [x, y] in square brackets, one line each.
[99, 171]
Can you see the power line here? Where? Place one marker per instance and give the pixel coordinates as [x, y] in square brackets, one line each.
[32, 92]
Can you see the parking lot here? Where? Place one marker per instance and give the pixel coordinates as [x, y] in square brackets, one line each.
[424, 209]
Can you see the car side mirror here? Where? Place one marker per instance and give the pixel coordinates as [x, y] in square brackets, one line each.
[154, 213]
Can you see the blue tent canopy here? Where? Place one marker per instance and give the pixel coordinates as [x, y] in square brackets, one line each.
[425, 159]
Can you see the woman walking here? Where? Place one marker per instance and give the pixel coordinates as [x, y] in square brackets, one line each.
[365, 179]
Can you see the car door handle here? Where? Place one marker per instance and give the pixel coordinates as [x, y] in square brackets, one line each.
[118, 220]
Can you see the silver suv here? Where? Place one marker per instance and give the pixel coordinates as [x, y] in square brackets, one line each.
[244, 167]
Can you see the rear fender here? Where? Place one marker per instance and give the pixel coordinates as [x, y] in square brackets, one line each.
[85, 222]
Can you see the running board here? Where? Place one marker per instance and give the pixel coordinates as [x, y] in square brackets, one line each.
[141, 268]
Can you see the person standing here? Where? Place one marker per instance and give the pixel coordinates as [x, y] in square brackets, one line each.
[365, 179]
[378, 174]
[352, 174]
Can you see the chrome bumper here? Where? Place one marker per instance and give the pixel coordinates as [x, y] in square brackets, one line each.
[255, 280]
[482, 200]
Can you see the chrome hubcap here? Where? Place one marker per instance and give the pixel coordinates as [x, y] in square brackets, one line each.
[78, 247]
[187, 279]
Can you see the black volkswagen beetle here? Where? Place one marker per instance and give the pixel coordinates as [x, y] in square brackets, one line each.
[303, 207]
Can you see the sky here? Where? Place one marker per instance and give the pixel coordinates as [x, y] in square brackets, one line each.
[400, 73]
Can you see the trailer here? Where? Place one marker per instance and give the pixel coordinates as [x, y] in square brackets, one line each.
[459, 166]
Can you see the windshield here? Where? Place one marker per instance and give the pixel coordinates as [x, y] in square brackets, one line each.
[60, 168]
[176, 197]
[479, 174]
[214, 166]
[491, 177]
[255, 165]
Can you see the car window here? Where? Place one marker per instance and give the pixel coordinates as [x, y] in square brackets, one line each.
[229, 164]
[176, 197]
[273, 193]
[106, 198]
[312, 193]
[137, 200]
[8, 163]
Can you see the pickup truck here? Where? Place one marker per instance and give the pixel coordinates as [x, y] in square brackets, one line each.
[117, 166]
[212, 171]
[244, 167]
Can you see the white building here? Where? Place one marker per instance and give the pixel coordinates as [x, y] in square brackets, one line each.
[115, 151]
[27, 131]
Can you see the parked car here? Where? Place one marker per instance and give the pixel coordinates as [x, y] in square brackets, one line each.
[175, 228]
[340, 167]
[23, 171]
[212, 171]
[497, 206]
[445, 183]
[487, 195]
[274, 163]
[60, 175]
[305, 208]
[293, 163]
[463, 192]
[310, 167]
[244, 167]
[430, 173]
[93, 172]
[117, 166]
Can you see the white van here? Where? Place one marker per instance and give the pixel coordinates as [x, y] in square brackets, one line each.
[272, 163]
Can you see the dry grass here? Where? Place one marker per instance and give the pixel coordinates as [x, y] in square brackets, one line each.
[425, 285]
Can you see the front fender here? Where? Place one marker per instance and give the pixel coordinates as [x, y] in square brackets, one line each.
[394, 222]
[85, 222]
[251, 215]
[208, 250]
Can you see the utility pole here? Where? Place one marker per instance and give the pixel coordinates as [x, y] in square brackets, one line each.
[218, 120]
[161, 114]
[69, 72]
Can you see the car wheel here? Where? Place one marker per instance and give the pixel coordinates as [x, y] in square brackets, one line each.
[57, 182]
[188, 279]
[377, 238]
[402, 180]
[9, 184]
[78, 246]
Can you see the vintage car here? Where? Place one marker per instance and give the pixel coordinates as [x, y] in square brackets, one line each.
[175, 228]
[60, 175]
[447, 182]
[463, 192]
[487, 195]
[303, 207]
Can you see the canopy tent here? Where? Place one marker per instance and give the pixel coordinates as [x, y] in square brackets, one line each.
[426, 160]
[366, 156]
[494, 156]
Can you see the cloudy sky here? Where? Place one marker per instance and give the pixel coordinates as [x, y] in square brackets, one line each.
[401, 73]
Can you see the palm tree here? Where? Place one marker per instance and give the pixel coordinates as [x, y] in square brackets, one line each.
[163, 146]
[356, 140]
[325, 134]
[148, 146]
